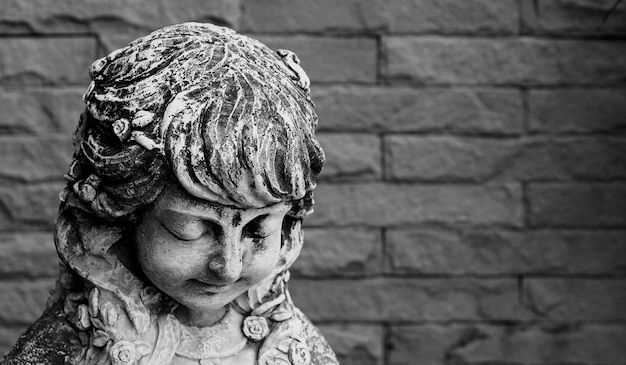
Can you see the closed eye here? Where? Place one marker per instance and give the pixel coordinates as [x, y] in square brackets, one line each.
[192, 230]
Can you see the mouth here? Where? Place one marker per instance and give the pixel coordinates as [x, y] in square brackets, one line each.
[208, 287]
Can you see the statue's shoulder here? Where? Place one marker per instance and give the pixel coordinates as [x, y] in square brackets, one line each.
[321, 353]
[52, 340]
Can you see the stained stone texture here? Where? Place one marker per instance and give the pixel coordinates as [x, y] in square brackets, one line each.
[356, 344]
[482, 159]
[577, 111]
[403, 109]
[40, 110]
[436, 344]
[505, 61]
[580, 17]
[436, 251]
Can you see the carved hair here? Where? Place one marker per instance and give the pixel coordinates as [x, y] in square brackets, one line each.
[194, 104]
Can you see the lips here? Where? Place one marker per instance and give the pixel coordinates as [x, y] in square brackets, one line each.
[208, 287]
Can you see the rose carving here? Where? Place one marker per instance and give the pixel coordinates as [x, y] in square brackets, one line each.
[123, 353]
[255, 328]
[299, 353]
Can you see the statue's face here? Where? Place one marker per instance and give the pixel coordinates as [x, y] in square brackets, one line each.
[203, 254]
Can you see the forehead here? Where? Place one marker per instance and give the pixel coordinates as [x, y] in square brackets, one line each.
[175, 198]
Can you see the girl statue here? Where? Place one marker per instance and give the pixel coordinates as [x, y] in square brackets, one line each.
[195, 162]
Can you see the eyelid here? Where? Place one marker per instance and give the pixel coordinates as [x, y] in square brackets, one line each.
[176, 234]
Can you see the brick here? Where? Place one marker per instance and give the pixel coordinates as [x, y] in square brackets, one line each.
[436, 344]
[29, 206]
[34, 158]
[407, 300]
[405, 16]
[331, 59]
[118, 16]
[489, 252]
[23, 301]
[576, 299]
[450, 16]
[401, 109]
[9, 336]
[46, 60]
[577, 111]
[355, 344]
[573, 17]
[351, 156]
[438, 60]
[40, 111]
[339, 252]
[589, 205]
[28, 255]
[379, 204]
[285, 16]
[482, 159]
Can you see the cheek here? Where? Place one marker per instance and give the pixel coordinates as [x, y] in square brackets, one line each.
[162, 263]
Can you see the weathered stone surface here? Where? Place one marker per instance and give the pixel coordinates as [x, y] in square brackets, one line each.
[339, 252]
[351, 156]
[356, 344]
[481, 159]
[450, 16]
[516, 345]
[28, 255]
[34, 159]
[29, 206]
[588, 205]
[331, 59]
[379, 204]
[49, 61]
[23, 301]
[40, 111]
[573, 17]
[577, 111]
[118, 16]
[8, 337]
[312, 16]
[429, 251]
[401, 109]
[408, 300]
[439, 60]
[576, 299]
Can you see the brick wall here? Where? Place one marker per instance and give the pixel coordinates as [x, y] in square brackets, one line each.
[473, 208]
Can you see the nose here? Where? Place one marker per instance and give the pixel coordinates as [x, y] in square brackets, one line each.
[226, 261]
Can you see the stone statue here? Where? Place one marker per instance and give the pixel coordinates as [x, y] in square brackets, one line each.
[195, 162]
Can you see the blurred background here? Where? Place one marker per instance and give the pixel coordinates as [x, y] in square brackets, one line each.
[473, 207]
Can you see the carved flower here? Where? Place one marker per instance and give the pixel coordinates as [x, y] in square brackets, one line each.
[299, 353]
[255, 328]
[123, 353]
